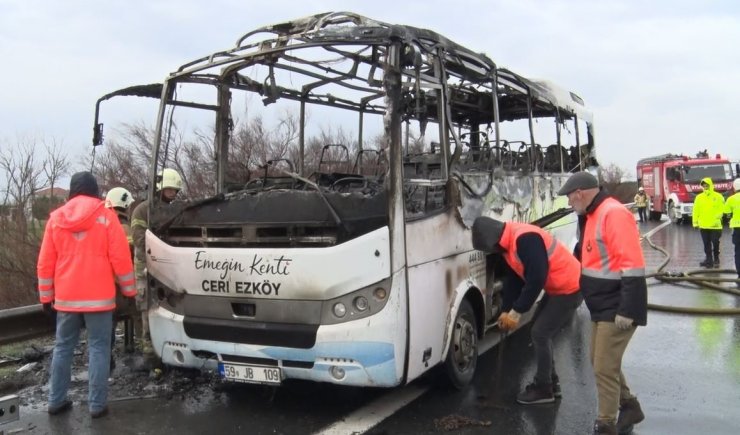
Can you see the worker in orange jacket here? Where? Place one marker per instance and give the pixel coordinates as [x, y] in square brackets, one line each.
[614, 288]
[535, 261]
[83, 253]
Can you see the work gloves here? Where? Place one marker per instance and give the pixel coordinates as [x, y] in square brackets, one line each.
[509, 321]
[623, 323]
[48, 309]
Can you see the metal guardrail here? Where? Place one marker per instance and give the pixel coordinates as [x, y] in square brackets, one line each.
[24, 323]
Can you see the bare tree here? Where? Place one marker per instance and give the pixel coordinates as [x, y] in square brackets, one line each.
[21, 169]
[56, 164]
[19, 234]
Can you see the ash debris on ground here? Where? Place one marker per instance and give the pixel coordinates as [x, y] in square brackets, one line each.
[456, 422]
[135, 377]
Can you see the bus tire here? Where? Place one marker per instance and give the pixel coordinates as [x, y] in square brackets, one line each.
[462, 355]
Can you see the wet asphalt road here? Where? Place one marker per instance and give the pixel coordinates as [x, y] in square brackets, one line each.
[684, 369]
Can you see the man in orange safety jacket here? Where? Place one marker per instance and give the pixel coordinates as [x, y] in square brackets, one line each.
[614, 288]
[83, 253]
[535, 261]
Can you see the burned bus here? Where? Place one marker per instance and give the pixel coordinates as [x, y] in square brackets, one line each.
[346, 257]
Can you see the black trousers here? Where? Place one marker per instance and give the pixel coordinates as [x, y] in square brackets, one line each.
[642, 212]
[554, 312]
[710, 238]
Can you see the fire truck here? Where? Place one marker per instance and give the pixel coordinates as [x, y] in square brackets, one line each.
[671, 182]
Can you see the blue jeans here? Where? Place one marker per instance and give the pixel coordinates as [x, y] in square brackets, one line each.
[98, 326]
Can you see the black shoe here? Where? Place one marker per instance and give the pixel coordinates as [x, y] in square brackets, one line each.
[630, 413]
[535, 393]
[706, 263]
[556, 391]
[716, 264]
[605, 428]
[101, 413]
[58, 409]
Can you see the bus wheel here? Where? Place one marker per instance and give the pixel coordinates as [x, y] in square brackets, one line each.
[462, 355]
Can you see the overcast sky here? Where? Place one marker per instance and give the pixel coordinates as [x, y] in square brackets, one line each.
[660, 76]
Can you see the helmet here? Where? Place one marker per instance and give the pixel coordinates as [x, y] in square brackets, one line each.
[736, 184]
[640, 189]
[118, 197]
[169, 178]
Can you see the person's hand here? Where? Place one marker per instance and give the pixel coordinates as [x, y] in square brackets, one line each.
[48, 309]
[623, 323]
[509, 321]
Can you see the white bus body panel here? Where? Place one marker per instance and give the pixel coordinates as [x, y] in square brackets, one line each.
[364, 348]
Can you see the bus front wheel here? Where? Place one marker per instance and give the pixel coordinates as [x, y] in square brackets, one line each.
[462, 355]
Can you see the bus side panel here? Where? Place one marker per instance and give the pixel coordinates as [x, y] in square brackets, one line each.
[438, 251]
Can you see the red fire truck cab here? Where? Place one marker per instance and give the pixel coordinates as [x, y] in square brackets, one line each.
[671, 182]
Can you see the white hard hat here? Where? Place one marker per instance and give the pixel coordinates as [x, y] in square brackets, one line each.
[169, 178]
[118, 197]
[736, 184]
[640, 189]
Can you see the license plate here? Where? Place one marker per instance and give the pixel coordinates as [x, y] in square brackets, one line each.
[251, 374]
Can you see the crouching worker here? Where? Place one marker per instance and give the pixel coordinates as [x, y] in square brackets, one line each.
[83, 249]
[535, 261]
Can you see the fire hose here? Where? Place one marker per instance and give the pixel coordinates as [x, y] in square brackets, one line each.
[701, 279]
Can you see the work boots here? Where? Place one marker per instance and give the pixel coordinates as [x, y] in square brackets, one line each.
[556, 391]
[716, 263]
[605, 427]
[535, 393]
[707, 263]
[630, 413]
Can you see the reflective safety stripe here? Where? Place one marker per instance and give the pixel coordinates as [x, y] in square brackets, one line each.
[102, 220]
[634, 272]
[139, 223]
[593, 273]
[123, 278]
[46, 281]
[129, 288]
[46, 294]
[85, 304]
[603, 252]
[551, 249]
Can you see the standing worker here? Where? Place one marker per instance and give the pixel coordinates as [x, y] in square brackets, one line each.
[641, 202]
[732, 207]
[536, 261]
[709, 206]
[83, 253]
[119, 199]
[615, 290]
[168, 185]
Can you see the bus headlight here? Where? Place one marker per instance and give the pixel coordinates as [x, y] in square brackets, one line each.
[380, 293]
[339, 309]
[360, 303]
[357, 304]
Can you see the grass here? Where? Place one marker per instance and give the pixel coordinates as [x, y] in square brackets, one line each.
[16, 350]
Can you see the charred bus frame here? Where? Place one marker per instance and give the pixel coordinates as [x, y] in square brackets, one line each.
[283, 217]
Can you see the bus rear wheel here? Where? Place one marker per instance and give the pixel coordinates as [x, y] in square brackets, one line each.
[462, 355]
